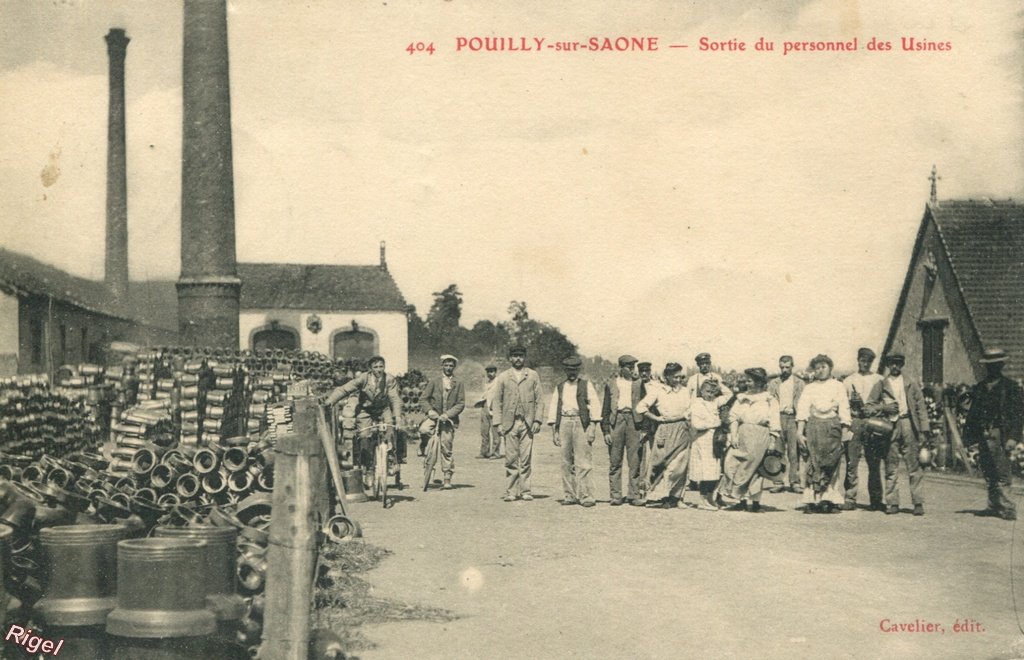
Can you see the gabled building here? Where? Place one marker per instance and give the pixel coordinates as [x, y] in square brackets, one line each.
[963, 292]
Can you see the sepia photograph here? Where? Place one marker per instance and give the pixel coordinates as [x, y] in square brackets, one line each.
[373, 329]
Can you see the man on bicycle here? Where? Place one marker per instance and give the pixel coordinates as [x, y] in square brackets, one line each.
[443, 399]
[379, 401]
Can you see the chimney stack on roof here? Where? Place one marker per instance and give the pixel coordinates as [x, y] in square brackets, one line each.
[115, 270]
[383, 260]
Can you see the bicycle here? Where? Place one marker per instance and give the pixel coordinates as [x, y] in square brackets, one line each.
[383, 463]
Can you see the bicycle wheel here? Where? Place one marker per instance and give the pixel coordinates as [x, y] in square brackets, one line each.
[380, 472]
[430, 459]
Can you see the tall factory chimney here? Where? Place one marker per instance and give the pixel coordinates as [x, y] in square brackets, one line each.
[115, 269]
[209, 286]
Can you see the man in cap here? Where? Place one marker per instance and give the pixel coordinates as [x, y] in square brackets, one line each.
[902, 402]
[515, 408]
[379, 402]
[490, 441]
[573, 414]
[704, 373]
[858, 387]
[996, 417]
[443, 400]
[787, 388]
[621, 426]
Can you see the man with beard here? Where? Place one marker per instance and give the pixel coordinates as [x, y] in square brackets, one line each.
[573, 415]
[515, 408]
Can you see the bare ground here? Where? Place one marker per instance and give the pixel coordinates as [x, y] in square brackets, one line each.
[471, 576]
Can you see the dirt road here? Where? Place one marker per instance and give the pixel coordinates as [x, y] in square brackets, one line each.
[539, 580]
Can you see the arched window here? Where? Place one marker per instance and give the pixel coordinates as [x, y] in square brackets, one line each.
[355, 343]
[275, 336]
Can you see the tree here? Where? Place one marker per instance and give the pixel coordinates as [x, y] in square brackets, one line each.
[546, 344]
[443, 317]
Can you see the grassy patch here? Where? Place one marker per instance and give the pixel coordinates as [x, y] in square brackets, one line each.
[343, 601]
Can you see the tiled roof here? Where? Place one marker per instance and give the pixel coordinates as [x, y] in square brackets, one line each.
[319, 287]
[22, 274]
[984, 240]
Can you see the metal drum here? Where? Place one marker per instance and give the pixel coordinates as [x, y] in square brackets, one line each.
[219, 558]
[79, 573]
[160, 590]
[352, 480]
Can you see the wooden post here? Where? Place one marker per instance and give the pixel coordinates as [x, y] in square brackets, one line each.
[300, 507]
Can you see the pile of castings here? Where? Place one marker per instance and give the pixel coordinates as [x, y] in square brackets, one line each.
[300, 365]
[36, 419]
[58, 514]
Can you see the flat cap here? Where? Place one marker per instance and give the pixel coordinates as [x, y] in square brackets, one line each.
[517, 350]
[866, 353]
[626, 360]
[572, 361]
[643, 366]
[702, 357]
[893, 358]
[446, 357]
[490, 367]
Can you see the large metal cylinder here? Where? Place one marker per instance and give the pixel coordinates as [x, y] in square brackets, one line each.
[219, 559]
[160, 589]
[79, 573]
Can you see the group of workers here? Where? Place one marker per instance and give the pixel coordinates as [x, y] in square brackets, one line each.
[778, 434]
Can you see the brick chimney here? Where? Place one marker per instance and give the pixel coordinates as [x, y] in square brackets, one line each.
[383, 258]
[115, 269]
[208, 288]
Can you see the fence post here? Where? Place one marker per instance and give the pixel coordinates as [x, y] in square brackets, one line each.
[300, 507]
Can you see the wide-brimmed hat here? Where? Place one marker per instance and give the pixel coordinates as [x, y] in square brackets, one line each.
[993, 355]
[772, 465]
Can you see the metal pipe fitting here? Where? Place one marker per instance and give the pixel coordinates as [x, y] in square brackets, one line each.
[215, 482]
[187, 486]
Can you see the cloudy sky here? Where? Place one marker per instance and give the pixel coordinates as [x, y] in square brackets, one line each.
[658, 203]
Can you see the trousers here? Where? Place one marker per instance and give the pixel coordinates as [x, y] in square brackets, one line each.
[862, 444]
[796, 470]
[576, 459]
[996, 467]
[446, 435]
[518, 458]
[490, 440]
[904, 446]
[626, 442]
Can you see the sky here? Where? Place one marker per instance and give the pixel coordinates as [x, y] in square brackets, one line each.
[657, 203]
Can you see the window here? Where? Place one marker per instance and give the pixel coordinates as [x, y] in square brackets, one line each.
[275, 336]
[932, 335]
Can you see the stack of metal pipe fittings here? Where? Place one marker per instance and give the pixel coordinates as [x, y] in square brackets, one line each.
[55, 508]
[37, 420]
